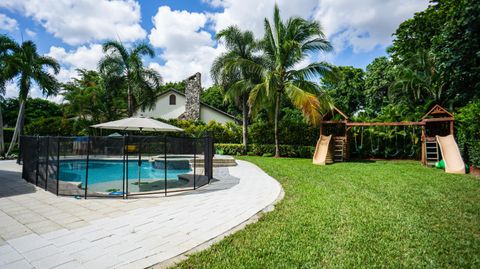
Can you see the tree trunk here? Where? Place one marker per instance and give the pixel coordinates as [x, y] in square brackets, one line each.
[277, 111]
[2, 142]
[129, 101]
[18, 126]
[245, 123]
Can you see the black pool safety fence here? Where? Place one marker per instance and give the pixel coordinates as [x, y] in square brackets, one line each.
[123, 166]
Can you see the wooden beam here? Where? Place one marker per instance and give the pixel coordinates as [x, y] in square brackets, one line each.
[406, 123]
[332, 121]
[438, 119]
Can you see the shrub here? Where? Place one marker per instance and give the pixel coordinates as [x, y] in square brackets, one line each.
[222, 133]
[266, 150]
[471, 152]
[51, 126]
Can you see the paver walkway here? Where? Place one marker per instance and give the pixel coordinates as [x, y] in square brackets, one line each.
[41, 230]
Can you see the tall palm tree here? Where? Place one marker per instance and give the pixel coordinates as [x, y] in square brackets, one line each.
[6, 48]
[125, 67]
[227, 70]
[286, 44]
[27, 67]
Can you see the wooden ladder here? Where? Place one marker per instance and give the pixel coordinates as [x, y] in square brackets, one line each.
[431, 152]
[338, 146]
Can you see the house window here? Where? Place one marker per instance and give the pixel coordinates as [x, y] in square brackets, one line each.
[173, 99]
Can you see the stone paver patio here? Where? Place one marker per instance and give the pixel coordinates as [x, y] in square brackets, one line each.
[41, 230]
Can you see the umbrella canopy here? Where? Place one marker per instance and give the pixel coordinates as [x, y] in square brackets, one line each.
[138, 124]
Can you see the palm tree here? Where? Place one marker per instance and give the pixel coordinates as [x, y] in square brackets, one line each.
[125, 67]
[286, 44]
[417, 75]
[6, 48]
[227, 70]
[28, 67]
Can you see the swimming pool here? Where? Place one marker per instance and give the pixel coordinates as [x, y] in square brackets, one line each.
[104, 171]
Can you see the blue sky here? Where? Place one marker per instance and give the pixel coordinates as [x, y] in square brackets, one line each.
[182, 31]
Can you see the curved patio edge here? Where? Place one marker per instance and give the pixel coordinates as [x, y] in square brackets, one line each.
[205, 245]
[64, 232]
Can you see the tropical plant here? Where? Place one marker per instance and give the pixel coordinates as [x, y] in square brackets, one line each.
[228, 71]
[286, 44]
[125, 71]
[378, 78]
[6, 48]
[418, 76]
[348, 90]
[27, 67]
[88, 99]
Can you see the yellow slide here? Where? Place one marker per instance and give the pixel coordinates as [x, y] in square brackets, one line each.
[321, 151]
[451, 154]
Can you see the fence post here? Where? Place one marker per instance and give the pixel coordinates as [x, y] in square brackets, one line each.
[194, 163]
[46, 166]
[165, 162]
[58, 164]
[126, 167]
[123, 170]
[37, 161]
[86, 168]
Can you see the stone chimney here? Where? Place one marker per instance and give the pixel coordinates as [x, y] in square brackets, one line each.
[193, 90]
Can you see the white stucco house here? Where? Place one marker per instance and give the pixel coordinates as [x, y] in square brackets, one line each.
[173, 104]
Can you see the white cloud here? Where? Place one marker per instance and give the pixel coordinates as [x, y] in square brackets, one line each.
[7, 23]
[364, 25]
[81, 22]
[187, 47]
[361, 25]
[85, 57]
[30, 33]
[250, 14]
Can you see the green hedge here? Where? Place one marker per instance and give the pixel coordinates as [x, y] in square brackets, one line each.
[266, 150]
[471, 152]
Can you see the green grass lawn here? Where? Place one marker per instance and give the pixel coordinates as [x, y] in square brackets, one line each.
[379, 214]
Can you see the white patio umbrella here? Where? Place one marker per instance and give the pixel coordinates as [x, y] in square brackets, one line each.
[138, 124]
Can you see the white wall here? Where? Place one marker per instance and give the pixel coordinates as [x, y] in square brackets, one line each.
[164, 110]
[207, 114]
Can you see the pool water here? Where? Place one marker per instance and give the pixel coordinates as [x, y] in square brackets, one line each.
[101, 171]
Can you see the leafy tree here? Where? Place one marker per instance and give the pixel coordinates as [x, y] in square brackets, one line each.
[88, 99]
[457, 51]
[232, 75]
[468, 123]
[418, 76]
[35, 109]
[347, 89]
[287, 43]
[178, 86]
[378, 78]
[215, 96]
[28, 67]
[124, 69]
[449, 31]
[418, 32]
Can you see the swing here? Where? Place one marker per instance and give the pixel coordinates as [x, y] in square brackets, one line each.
[413, 152]
[358, 149]
[376, 150]
[396, 146]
